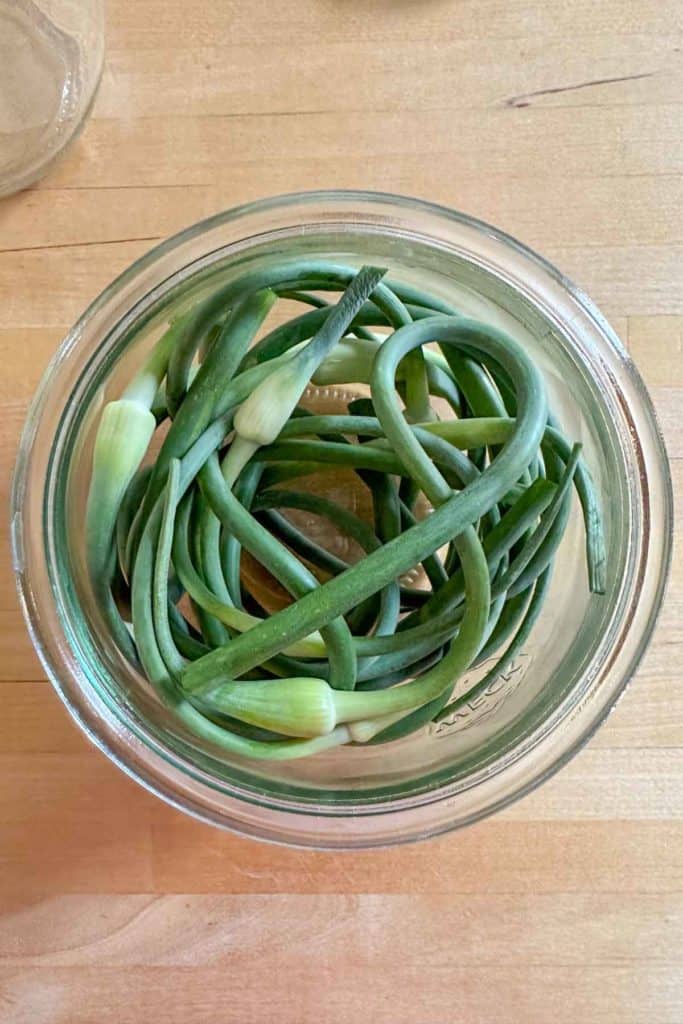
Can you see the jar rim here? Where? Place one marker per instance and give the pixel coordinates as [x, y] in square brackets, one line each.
[391, 820]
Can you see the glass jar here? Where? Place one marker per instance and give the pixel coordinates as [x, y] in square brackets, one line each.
[584, 648]
[51, 54]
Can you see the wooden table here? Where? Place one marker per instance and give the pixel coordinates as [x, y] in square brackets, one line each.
[558, 121]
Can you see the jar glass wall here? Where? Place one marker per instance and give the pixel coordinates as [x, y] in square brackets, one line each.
[579, 657]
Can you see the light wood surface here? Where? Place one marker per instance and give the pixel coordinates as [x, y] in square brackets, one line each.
[560, 122]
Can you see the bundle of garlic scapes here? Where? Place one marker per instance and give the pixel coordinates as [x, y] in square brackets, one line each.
[357, 656]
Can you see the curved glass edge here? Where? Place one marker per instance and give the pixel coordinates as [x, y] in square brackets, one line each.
[289, 829]
[52, 145]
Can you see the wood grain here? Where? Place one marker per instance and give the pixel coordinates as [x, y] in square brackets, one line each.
[559, 122]
[374, 986]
